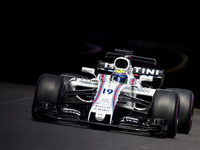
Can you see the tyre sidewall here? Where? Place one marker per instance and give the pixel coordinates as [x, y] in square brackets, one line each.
[186, 110]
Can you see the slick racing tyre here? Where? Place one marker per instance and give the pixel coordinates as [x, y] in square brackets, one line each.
[48, 90]
[166, 105]
[186, 110]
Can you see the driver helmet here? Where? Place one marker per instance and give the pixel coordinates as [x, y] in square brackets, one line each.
[119, 76]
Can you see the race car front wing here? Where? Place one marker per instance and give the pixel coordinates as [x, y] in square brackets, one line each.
[156, 126]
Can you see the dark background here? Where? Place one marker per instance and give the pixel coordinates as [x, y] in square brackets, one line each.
[56, 38]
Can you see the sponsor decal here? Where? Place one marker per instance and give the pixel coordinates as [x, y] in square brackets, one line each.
[147, 71]
[101, 108]
[128, 119]
[100, 116]
[71, 111]
[103, 101]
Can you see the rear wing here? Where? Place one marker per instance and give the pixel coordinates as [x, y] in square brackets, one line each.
[128, 54]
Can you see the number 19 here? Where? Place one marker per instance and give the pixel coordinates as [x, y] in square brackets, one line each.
[108, 91]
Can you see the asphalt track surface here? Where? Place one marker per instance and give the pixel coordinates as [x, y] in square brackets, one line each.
[19, 131]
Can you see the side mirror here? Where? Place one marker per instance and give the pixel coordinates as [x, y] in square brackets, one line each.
[89, 70]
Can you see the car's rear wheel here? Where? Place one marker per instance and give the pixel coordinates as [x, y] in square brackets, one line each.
[48, 90]
[166, 105]
[186, 110]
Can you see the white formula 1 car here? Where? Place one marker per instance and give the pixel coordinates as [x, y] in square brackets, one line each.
[118, 96]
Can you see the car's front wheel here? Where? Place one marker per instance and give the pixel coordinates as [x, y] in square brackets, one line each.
[166, 105]
[48, 92]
